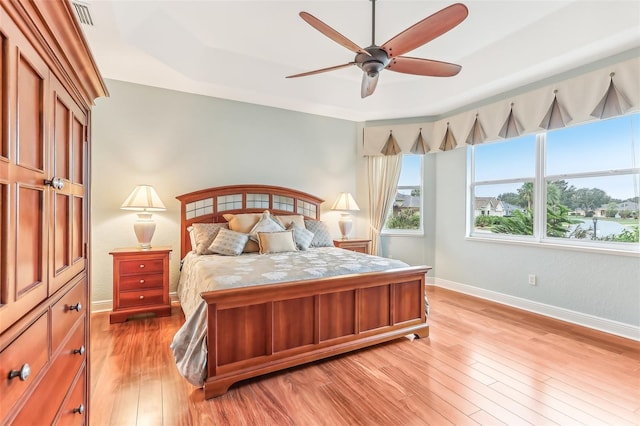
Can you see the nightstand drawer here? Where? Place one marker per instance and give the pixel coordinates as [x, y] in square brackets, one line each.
[130, 299]
[360, 245]
[141, 281]
[146, 266]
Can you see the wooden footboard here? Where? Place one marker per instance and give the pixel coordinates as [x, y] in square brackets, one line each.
[258, 330]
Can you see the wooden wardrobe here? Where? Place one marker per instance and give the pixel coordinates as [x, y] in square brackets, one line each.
[48, 83]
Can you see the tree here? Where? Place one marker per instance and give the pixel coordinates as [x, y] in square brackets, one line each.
[415, 192]
[509, 197]
[557, 221]
[566, 193]
[612, 209]
[553, 194]
[405, 219]
[590, 198]
[525, 195]
[521, 223]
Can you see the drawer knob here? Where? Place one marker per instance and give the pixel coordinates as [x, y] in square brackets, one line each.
[141, 297]
[79, 410]
[76, 307]
[142, 265]
[79, 351]
[23, 373]
[141, 281]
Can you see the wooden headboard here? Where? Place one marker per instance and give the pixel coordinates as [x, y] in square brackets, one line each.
[208, 205]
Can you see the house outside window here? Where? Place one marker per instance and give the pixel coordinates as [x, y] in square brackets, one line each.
[577, 186]
[405, 216]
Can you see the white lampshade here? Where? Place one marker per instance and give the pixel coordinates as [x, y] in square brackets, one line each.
[144, 199]
[346, 203]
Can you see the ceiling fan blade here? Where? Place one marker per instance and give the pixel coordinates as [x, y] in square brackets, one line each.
[419, 66]
[369, 84]
[337, 67]
[426, 30]
[331, 33]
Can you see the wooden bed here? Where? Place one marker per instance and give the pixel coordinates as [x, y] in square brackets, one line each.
[257, 330]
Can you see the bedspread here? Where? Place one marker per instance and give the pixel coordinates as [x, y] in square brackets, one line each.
[207, 273]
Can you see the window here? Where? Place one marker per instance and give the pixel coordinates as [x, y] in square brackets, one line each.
[503, 186]
[405, 215]
[578, 185]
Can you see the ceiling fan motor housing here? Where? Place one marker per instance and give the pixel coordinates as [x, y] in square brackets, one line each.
[373, 64]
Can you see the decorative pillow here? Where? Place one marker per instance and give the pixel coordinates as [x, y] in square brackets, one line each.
[192, 238]
[244, 222]
[276, 242]
[204, 234]
[265, 224]
[229, 243]
[288, 219]
[321, 236]
[302, 236]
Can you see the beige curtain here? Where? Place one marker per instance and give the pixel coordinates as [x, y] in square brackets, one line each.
[383, 173]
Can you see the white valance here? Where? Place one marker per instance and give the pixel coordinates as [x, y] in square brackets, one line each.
[578, 96]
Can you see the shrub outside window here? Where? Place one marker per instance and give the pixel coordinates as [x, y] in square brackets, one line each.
[405, 216]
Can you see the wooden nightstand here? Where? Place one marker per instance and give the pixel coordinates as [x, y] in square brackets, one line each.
[140, 282]
[361, 245]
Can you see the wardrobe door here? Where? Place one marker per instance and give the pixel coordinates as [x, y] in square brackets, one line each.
[23, 174]
[67, 236]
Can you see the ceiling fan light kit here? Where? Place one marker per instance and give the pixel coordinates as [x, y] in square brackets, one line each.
[373, 59]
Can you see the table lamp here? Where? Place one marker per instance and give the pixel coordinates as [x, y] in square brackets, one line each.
[145, 200]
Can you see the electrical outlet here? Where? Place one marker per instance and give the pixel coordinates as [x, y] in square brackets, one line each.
[532, 279]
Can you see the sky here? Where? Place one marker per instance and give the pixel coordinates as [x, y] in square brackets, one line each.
[601, 146]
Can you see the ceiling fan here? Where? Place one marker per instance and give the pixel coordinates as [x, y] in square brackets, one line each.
[374, 58]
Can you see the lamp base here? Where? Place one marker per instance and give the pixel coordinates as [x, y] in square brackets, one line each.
[144, 228]
[345, 224]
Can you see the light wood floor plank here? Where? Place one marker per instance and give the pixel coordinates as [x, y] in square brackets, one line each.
[483, 364]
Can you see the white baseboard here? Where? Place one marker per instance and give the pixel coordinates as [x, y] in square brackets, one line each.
[107, 305]
[608, 326]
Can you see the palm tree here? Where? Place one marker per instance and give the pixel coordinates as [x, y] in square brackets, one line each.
[525, 192]
[553, 194]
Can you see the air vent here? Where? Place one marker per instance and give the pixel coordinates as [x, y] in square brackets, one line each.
[83, 14]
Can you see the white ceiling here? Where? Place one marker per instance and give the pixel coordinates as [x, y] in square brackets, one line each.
[242, 50]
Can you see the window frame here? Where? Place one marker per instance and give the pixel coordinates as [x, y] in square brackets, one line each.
[408, 232]
[540, 182]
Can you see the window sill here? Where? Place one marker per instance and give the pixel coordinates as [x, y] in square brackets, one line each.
[402, 234]
[556, 246]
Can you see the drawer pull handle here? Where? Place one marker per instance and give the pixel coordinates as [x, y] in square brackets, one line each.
[141, 281]
[76, 307]
[141, 297]
[79, 351]
[141, 265]
[23, 373]
[79, 410]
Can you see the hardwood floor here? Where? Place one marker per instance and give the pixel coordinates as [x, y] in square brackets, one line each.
[483, 363]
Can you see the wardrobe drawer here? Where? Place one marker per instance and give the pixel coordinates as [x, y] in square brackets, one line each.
[146, 266]
[73, 409]
[28, 353]
[130, 299]
[65, 312]
[141, 281]
[44, 403]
